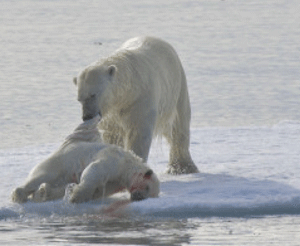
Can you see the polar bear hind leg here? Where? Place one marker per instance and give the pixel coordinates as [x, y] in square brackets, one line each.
[48, 193]
[180, 161]
[20, 194]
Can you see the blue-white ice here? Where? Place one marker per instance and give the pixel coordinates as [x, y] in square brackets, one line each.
[246, 171]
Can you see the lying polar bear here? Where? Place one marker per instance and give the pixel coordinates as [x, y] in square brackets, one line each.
[98, 169]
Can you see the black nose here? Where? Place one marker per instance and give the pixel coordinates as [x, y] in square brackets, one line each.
[87, 117]
[137, 196]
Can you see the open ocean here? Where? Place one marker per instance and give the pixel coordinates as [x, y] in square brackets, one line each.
[242, 61]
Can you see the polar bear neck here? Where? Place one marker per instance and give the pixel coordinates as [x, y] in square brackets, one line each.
[126, 65]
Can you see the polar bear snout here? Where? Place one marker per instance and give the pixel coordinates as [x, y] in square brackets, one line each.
[144, 186]
[89, 113]
[90, 107]
[86, 117]
[139, 196]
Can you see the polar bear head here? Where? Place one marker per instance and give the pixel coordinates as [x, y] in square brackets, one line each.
[144, 186]
[94, 89]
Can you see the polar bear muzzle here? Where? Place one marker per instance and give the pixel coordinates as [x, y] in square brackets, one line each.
[144, 186]
[90, 109]
[86, 117]
[140, 195]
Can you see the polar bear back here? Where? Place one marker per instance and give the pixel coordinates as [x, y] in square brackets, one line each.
[157, 63]
[150, 67]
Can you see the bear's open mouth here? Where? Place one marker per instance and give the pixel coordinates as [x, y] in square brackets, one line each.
[91, 116]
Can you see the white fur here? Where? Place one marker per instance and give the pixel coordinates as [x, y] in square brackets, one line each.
[114, 170]
[85, 160]
[140, 91]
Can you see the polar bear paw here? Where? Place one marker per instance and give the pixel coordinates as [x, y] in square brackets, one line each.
[43, 194]
[182, 168]
[19, 195]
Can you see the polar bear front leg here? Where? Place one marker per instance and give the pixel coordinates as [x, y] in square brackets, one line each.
[139, 142]
[139, 137]
[92, 181]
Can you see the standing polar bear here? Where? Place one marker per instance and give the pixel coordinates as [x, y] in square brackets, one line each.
[140, 91]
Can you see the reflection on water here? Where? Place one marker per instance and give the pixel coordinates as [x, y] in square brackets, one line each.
[132, 232]
[93, 230]
[87, 230]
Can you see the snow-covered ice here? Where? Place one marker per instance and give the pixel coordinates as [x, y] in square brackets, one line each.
[246, 171]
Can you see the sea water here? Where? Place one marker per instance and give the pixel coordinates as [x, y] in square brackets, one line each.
[242, 64]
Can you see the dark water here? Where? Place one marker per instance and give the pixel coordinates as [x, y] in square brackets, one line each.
[197, 231]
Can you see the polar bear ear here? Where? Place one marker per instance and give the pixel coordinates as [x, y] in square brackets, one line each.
[75, 80]
[112, 70]
[148, 174]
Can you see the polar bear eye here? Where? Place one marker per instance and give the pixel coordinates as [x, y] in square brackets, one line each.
[92, 96]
